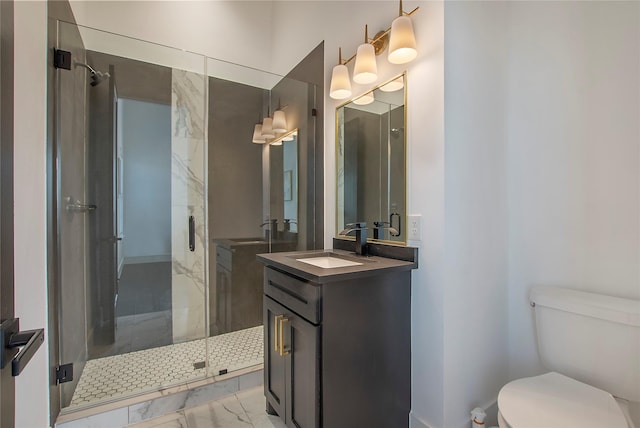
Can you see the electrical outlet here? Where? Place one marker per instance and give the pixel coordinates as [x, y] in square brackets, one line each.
[415, 229]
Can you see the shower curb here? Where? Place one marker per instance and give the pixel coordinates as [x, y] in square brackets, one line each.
[159, 403]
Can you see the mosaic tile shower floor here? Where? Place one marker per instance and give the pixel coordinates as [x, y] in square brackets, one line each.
[120, 376]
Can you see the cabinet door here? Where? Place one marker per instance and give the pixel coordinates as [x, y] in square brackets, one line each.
[302, 369]
[274, 363]
[223, 299]
[291, 369]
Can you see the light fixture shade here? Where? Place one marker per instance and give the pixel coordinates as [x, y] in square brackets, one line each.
[366, 70]
[340, 84]
[267, 128]
[279, 122]
[257, 135]
[394, 85]
[365, 99]
[402, 41]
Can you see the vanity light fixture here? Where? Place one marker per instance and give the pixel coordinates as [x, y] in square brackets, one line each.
[402, 49]
[365, 99]
[279, 124]
[365, 70]
[289, 136]
[402, 41]
[267, 128]
[394, 85]
[272, 129]
[257, 135]
[340, 84]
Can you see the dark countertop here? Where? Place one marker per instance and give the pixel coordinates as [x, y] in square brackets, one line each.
[231, 243]
[371, 265]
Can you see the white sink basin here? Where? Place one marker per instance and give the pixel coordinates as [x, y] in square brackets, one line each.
[328, 262]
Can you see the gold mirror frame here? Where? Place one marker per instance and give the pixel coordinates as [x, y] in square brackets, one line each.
[284, 137]
[402, 242]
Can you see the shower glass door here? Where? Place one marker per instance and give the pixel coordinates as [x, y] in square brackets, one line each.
[130, 190]
[258, 201]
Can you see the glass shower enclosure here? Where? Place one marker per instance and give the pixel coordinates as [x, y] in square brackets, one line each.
[130, 193]
[161, 203]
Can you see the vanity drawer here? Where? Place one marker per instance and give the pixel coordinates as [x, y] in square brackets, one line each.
[299, 295]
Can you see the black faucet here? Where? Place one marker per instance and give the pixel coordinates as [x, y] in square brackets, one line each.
[273, 228]
[361, 236]
[287, 224]
[379, 226]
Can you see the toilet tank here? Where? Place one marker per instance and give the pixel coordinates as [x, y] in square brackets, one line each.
[590, 337]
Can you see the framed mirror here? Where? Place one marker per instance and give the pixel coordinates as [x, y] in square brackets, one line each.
[371, 162]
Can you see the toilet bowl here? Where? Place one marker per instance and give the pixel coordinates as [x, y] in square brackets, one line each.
[591, 343]
[554, 400]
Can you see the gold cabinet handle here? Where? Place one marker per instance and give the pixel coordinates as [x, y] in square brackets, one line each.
[276, 332]
[282, 351]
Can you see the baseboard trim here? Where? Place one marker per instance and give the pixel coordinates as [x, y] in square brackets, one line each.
[491, 409]
[416, 422]
[492, 413]
[147, 259]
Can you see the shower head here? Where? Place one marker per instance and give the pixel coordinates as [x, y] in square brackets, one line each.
[96, 76]
[395, 132]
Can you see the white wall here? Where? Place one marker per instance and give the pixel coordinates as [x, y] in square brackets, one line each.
[32, 386]
[146, 138]
[476, 289]
[573, 155]
[235, 31]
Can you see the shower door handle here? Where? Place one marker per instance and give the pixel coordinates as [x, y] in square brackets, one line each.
[192, 233]
[78, 206]
[399, 226]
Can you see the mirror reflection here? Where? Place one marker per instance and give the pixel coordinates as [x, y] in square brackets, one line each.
[371, 166]
[283, 160]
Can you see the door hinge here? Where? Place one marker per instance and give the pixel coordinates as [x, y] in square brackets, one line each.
[314, 112]
[64, 373]
[62, 59]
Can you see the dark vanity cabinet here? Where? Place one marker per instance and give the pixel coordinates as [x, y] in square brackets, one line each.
[293, 387]
[337, 342]
[237, 293]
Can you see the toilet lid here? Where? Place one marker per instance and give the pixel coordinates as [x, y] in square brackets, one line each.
[554, 400]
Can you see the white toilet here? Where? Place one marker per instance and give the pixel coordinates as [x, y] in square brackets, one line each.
[592, 344]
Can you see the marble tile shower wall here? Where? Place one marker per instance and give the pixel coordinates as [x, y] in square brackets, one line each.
[188, 199]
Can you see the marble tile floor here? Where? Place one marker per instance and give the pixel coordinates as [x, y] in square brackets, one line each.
[246, 409]
[117, 377]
